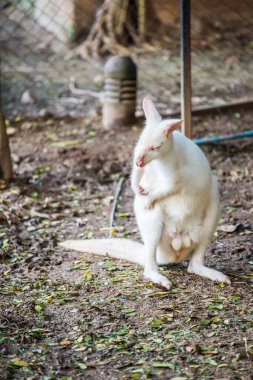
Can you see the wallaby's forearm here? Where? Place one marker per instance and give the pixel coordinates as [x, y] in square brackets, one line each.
[136, 176]
[161, 194]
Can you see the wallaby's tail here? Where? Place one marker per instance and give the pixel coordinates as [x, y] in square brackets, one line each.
[118, 248]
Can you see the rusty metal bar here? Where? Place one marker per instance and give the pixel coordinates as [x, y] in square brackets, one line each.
[185, 12]
[238, 105]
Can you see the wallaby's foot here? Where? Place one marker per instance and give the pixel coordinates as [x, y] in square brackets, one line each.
[158, 279]
[212, 274]
[181, 241]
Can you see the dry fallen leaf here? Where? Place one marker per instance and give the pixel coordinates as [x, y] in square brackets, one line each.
[229, 228]
[64, 342]
[10, 131]
[3, 184]
[19, 363]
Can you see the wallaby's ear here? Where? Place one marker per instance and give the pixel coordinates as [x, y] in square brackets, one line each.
[150, 111]
[171, 125]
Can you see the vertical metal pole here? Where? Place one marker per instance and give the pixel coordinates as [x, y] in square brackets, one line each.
[185, 14]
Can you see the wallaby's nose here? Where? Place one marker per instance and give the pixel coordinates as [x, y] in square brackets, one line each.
[140, 161]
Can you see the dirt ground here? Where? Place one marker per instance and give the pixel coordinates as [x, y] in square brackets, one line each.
[70, 316]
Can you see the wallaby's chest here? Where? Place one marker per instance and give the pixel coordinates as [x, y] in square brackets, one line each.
[155, 177]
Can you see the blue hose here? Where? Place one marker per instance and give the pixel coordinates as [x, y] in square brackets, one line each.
[214, 139]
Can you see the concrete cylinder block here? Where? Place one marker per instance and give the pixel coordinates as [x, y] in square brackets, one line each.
[119, 92]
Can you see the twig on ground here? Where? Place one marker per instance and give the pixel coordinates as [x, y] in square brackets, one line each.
[246, 347]
[81, 92]
[115, 202]
[68, 100]
[34, 213]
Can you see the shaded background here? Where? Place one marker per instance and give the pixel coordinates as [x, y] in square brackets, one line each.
[43, 46]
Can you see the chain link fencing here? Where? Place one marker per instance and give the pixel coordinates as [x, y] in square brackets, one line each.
[50, 48]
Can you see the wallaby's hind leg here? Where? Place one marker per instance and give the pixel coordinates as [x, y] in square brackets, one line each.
[150, 227]
[196, 264]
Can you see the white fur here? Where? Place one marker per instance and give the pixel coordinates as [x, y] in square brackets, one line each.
[118, 248]
[176, 203]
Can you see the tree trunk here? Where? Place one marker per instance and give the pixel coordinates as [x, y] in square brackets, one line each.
[118, 24]
[5, 156]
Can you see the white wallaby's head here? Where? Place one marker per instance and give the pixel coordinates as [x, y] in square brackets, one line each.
[155, 137]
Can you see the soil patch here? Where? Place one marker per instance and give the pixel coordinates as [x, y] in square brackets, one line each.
[70, 316]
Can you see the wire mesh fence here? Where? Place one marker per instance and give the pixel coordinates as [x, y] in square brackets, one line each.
[47, 45]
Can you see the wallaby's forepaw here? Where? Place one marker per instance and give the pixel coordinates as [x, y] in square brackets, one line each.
[142, 191]
[212, 274]
[158, 279]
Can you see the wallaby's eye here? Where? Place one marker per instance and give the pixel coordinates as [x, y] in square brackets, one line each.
[154, 147]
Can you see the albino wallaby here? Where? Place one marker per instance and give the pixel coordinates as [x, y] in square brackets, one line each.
[176, 204]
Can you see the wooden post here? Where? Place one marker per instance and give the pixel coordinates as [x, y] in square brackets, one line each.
[5, 156]
[186, 66]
